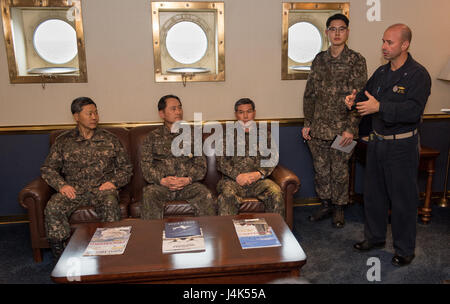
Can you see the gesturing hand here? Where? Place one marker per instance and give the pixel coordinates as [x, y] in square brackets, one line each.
[369, 106]
[350, 100]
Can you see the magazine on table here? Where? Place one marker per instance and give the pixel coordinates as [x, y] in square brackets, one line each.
[255, 233]
[108, 241]
[183, 244]
[181, 229]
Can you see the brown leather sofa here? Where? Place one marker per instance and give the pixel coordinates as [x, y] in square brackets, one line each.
[36, 194]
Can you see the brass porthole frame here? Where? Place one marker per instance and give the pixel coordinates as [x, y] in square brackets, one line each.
[15, 78]
[218, 9]
[290, 7]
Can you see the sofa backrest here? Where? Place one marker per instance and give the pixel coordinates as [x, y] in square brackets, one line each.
[212, 175]
[137, 137]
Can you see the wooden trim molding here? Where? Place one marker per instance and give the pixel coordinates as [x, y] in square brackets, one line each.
[282, 121]
[14, 219]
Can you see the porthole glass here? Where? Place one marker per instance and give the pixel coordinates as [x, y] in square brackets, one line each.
[305, 41]
[55, 41]
[186, 42]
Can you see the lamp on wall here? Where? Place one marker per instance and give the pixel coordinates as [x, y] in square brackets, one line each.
[445, 75]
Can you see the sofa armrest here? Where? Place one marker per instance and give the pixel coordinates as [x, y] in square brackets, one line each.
[289, 184]
[34, 198]
[35, 194]
[285, 177]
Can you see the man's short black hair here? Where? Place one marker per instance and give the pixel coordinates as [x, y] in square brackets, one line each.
[243, 101]
[162, 101]
[79, 103]
[338, 17]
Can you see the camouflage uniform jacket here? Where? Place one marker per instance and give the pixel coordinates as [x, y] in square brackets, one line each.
[232, 166]
[157, 160]
[86, 164]
[330, 80]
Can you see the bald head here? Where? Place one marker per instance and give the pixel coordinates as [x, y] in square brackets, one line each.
[404, 30]
[396, 41]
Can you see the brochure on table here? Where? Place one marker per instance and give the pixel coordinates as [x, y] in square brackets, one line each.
[182, 236]
[108, 241]
[255, 233]
[181, 229]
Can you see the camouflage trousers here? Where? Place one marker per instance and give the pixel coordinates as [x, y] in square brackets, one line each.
[331, 171]
[196, 194]
[265, 190]
[59, 209]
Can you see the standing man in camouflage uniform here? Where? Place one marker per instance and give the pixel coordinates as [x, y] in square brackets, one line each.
[334, 73]
[243, 176]
[172, 177]
[86, 165]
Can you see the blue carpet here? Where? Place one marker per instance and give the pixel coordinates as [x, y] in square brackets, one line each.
[16, 263]
[330, 257]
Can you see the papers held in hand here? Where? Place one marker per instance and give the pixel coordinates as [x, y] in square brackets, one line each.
[337, 146]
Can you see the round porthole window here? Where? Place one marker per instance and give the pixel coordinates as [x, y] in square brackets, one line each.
[305, 41]
[55, 41]
[186, 42]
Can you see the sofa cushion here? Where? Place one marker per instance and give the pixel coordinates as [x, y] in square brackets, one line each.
[171, 208]
[183, 208]
[251, 205]
[178, 208]
[87, 214]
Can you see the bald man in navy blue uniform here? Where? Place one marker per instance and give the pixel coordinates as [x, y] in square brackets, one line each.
[395, 96]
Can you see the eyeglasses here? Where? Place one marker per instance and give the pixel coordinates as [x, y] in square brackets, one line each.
[337, 29]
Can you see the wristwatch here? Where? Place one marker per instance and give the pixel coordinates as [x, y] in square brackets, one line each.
[262, 175]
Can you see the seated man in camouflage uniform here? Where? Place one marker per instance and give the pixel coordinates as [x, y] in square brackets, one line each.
[244, 176]
[86, 165]
[172, 177]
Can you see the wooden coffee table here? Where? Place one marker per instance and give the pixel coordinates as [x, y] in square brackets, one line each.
[223, 261]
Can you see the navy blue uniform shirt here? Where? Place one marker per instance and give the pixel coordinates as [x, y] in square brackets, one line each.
[402, 95]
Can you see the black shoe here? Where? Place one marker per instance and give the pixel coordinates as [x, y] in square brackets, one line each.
[324, 212]
[57, 248]
[400, 261]
[366, 246]
[338, 217]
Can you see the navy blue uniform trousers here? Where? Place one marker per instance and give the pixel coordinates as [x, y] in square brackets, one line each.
[391, 182]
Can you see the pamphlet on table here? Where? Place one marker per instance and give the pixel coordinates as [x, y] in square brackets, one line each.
[182, 236]
[255, 233]
[108, 241]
